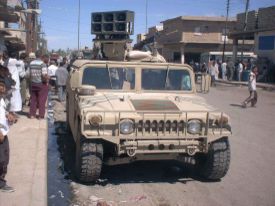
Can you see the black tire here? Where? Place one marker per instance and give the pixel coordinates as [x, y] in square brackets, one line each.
[215, 164]
[68, 128]
[89, 156]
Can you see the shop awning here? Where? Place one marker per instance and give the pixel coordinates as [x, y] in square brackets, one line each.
[14, 43]
[4, 32]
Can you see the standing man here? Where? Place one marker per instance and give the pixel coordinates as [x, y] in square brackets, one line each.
[230, 70]
[27, 77]
[240, 71]
[38, 74]
[52, 69]
[214, 72]
[4, 141]
[16, 100]
[224, 65]
[22, 72]
[61, 79]
[253, 97]
[1, 58]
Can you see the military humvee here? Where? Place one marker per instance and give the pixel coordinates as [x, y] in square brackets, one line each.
[125, 111]
[121, 112]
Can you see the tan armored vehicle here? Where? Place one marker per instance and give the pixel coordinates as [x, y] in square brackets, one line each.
[121, 112]
[125, 111]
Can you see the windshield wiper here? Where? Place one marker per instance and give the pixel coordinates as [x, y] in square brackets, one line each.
[109, 76]
[166, 79]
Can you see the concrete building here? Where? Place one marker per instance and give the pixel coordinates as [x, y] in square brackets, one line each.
[185, 38]
[12, 26]
[260, 26]
[265, 44]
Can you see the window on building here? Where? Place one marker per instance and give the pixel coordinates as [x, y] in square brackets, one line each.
[177, 57]
[266, 42]
[198, 31]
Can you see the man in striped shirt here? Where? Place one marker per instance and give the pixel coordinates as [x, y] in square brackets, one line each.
[38, 74]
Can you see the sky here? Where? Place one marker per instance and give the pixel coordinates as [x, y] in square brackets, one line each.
[60, 17]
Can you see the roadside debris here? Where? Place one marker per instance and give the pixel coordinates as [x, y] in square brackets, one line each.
[61, 194]
[138, 198]
[95, 199]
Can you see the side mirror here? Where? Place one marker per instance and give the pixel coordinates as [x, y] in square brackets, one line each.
[203, 82]
[86, 90]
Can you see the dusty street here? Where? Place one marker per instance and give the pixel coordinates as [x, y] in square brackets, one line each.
[250, 180]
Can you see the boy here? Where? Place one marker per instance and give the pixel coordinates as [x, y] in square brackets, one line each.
[253, 97]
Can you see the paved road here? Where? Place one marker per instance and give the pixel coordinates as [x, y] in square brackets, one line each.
[250, 180]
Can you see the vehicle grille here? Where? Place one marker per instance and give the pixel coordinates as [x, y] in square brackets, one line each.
[150, 127]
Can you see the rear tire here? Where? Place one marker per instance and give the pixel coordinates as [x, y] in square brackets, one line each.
[215, 164]
[89, 156]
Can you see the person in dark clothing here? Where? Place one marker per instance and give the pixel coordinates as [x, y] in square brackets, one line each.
[5, 120]
[61, 79]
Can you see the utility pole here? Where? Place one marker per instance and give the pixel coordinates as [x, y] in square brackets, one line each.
[31, 37]
[146, 13]
[245, 25]
[78, 31]
[225, 32]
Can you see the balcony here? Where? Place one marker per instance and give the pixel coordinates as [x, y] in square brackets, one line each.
[7, 14]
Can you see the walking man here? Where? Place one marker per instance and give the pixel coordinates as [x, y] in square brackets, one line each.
[61, 79]
[253, 97]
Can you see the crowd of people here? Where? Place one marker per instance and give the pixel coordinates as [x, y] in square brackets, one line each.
[225, 70]
[25, 82]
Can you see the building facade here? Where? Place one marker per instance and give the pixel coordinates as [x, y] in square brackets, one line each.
[259, 26]
[183, 39]
[12, 26]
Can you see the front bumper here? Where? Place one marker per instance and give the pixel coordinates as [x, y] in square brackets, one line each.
[156, 132]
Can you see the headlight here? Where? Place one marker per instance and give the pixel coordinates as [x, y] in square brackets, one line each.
[194, 126]
[126, 126]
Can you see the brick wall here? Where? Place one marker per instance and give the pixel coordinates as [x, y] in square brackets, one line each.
[204, 31]
[266, 18]
[172, 31]
[251, 21]
[188, 31]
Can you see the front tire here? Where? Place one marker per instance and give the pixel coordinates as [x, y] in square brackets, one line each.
[89, 156]
[215, 164]
[68, 128]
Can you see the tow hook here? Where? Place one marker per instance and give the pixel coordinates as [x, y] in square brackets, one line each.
[131, 152]
[191, 150]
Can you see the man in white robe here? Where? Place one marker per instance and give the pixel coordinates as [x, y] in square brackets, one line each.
[16, 100]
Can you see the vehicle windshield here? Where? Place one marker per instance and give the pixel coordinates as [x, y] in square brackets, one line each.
[112, 78]
[170, 79]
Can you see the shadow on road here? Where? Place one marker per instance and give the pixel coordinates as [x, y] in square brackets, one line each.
[137, 172]
[236, 105]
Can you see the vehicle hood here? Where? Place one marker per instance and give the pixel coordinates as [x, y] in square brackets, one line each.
[144, 102]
